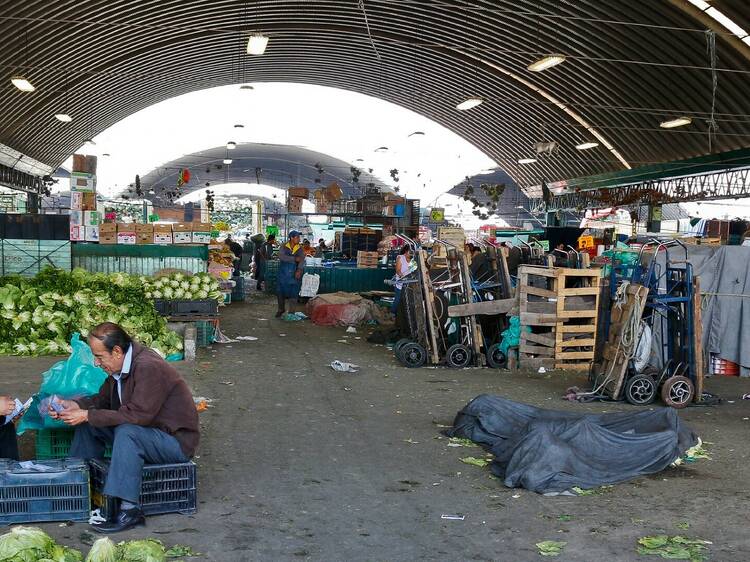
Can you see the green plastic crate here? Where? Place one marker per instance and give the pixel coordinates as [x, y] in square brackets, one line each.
[205, 333]
[55, 444]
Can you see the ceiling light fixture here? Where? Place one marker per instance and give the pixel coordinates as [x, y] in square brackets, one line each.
[64, 117]
[546, 62]
[231, 145]
[89, 142]
[417, 133]
[22, 84]
[469, 103]
[107, 154]
[677, 122]
[381, 149]
[227, 160]
[257, 43]
[246, 87]
[527, 160]
[587, 145]
[239, 126]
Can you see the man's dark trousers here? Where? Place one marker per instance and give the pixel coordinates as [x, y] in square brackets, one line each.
[8, 443]
[132, 447]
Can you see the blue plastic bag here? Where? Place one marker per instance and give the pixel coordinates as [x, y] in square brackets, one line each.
[74, 377]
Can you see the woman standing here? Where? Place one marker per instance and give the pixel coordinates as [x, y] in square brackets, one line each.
[291, 266]
[402, 270]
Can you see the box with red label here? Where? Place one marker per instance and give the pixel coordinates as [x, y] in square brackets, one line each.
[77, 233]
[182, 237]
[126, 238]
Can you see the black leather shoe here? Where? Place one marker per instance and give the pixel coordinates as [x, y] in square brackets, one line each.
[126, 519]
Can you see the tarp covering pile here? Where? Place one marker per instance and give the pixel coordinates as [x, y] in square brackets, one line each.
[344, 309]
[549, 451]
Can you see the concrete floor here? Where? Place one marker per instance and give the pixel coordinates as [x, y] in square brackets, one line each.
[298, 462]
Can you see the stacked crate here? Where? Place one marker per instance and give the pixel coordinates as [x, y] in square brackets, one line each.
[558, 309]
[453, 235]
[367, 260]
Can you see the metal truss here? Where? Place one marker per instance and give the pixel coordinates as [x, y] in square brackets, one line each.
[725, 184]
[20, 181]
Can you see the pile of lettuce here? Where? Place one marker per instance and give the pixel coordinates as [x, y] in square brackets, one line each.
[38, 315]
[31, 544]
[177, 286]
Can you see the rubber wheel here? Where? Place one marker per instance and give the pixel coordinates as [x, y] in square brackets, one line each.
[412, 355]
[399, 344]
[495, 357]
[677, 392]
[640, 390]
[458, 356]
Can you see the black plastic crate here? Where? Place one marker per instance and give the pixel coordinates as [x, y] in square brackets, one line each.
[165, 488]
[208, 307]
[238, 291]
[59, 494]
[162, 307]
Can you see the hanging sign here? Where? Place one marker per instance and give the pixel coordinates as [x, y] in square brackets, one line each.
[183, 177]
[437, 214]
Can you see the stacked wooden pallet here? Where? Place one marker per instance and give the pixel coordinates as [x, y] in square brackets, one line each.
[558, 309]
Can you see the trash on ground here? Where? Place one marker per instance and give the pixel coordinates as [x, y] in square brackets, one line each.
[592, 491]
[551, 548]
[475, 461]
[693, 454]
[246, 338]
[675, 548]
[460, 441]
[219, 337]
[294, 316]
[542, 370]
[342, 341]
[179, 550]
[228, 383]
[344, 367]
[456, 517]
[351, 330]
[410, 441]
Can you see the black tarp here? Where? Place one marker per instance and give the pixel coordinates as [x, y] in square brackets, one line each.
[551, 451]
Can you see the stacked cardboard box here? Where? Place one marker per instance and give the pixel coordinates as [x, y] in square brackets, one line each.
[182, 233]
[162, 234]
[108, 233]
[367, 259]
[201, 232]
[144, 233]
[126, 233]
[84, 219]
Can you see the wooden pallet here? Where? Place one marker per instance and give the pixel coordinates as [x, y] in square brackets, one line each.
[560, 305]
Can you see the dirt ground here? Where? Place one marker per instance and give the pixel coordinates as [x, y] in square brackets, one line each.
[298, 462]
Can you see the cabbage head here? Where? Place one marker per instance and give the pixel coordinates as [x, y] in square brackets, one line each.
[103, 550]
[147, 550]
[24, 544]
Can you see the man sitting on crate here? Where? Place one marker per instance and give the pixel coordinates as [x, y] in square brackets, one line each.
[144, 409]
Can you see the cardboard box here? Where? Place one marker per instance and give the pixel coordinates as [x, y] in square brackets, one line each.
[144, 229]
[76, 218]
[160, 238]
[182, 227]
[202, 227]
[77, 233]
[80, 181]
[162, 229]
[322, 206]
[91, 233]
[76, 201]
[298, 192]
[334, 192]
[126, 238]
[126, 227]
[295, 205]
[107, 228]
[85, 164]
[82, 201]
[201, 237]
[144, 238]
[182, 237]
[107, 237]
[92, 218]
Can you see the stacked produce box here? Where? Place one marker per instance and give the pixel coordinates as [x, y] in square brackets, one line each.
[84, 216]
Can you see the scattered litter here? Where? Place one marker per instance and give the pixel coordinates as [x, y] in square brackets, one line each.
[294, 316]
[344, 367]
[228, 383]
[342, 341]
[593, 491]
[246, 338]
[282, 335]
[351, 330]
[347, 389]
[542, 370]
[357, 338]
[564, 517]
[551, 548]
[516, 496]
[456, 517]
[461, 442]
[746, 396]
[675, 548]
[262, 318]
[475, 461]
[411, 441]
[693, 454]
[219, 337]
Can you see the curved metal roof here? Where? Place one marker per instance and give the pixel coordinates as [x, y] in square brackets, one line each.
[276, 165]
[630, 65]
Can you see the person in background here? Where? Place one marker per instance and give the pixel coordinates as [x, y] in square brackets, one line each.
[144, 409]
[479, 267]
[236, 249]
[8, 442]
[263, 253]
[321, 248]
[291, 266]
[402, 270]
[307, 248]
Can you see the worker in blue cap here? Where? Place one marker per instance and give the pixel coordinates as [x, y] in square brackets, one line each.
[291, 266]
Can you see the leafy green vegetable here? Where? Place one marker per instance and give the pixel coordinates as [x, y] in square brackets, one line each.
[103, 550]
[673, 548]
[25, 543]
[475, 461]
[550, 548]
[460, 442]
[593, 491]
[180, 550]
[564, 517]
[147, 550]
